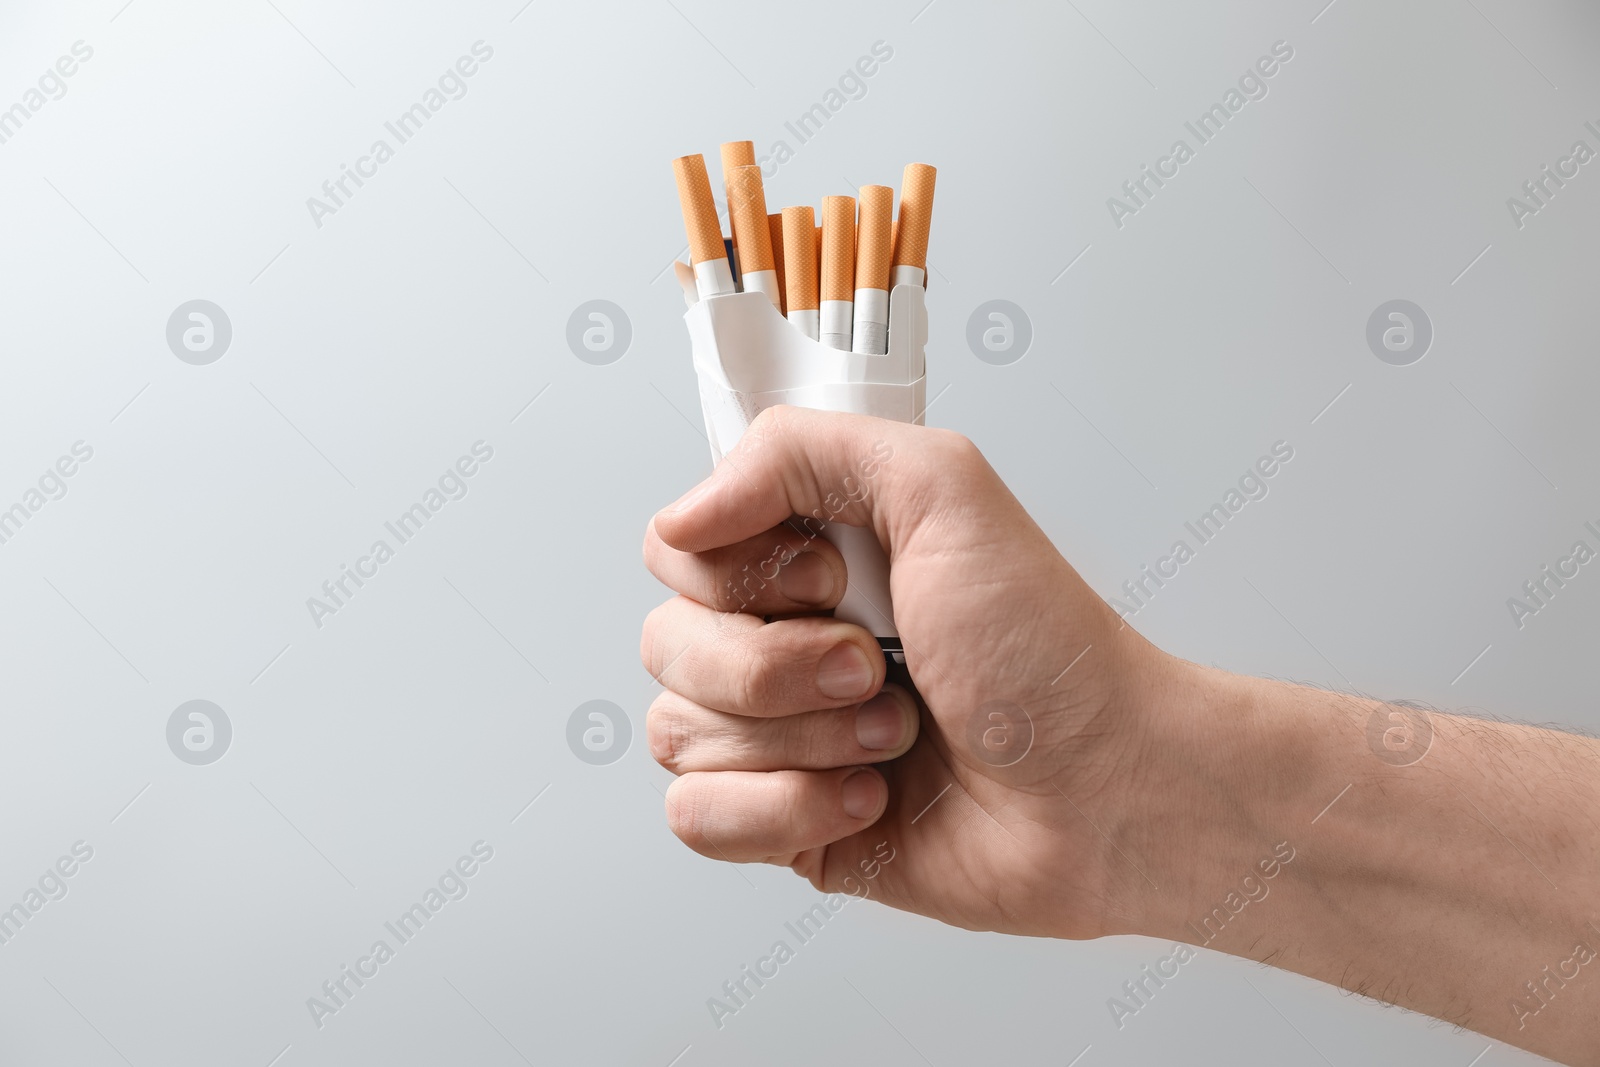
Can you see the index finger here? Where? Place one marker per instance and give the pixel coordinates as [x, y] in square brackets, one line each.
[779, 571]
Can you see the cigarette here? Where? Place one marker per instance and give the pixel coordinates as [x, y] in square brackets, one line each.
[713, 274]
[800, 269]
[874, 249]
[838, 259]
[735, 154]
[747, 210]
[775, 230]
[911, 235]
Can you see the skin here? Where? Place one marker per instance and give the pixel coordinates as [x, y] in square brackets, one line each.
[1444, 864]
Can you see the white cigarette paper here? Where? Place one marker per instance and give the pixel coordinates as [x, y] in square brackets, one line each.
[874, 253]
[905, 274]
[763, 281]
[713, 277]
[833, 328]
[871, 328]
[806, 320]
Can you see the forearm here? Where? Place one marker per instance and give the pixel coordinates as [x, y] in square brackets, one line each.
[1458, 877]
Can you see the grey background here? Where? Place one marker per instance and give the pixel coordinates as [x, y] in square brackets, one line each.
[370, 353]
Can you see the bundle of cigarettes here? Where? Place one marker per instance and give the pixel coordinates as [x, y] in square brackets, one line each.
[832, 281]
[853, 293]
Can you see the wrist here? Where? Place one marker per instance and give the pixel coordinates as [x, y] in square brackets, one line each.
[1225, 769]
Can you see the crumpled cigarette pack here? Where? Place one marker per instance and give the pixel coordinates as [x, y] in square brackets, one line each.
[747, 357]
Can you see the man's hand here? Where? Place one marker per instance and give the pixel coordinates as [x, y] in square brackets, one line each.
[791, 750]
[1063, 777]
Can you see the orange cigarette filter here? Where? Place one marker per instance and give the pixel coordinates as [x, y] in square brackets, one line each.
[699, 210]
[736, 154]
[775, 232]
[818, 253]
[838, 256]
[747, 210]
[799, 259]
[916, 215]
[875, 239]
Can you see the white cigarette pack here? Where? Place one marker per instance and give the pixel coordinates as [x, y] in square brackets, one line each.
[748, 358]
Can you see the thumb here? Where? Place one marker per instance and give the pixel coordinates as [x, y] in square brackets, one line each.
[821, 466]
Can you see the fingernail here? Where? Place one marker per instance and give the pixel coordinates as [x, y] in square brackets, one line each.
[860, 796]
[844, 672]
[880, 724]
[689, 499]
[806, 579]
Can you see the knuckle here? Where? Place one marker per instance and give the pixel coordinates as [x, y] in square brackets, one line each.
[667, 732]
[645, 646]
[651, 549]
[958, 449]
[684, 816]
[768, 420]
[769, 425]
[964, 470]
[651, 653]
